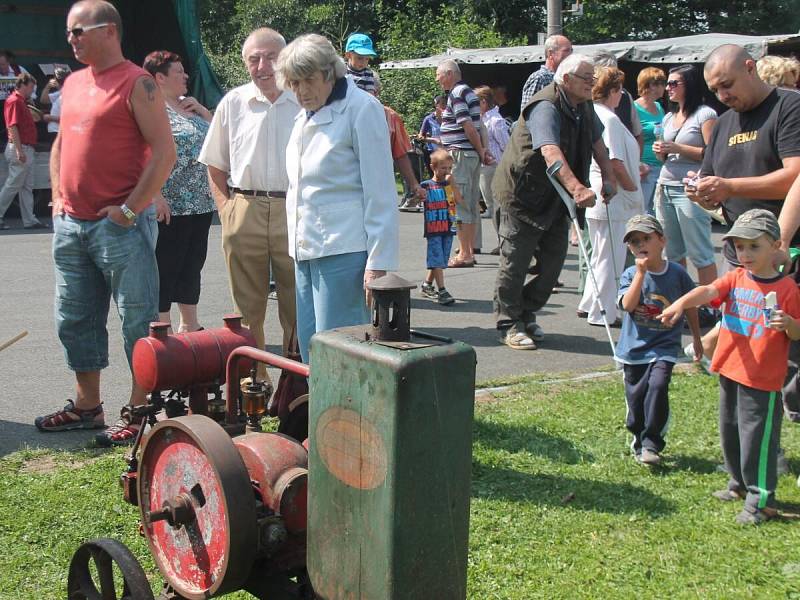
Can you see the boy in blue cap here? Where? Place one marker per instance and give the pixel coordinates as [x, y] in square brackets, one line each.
[358, 52]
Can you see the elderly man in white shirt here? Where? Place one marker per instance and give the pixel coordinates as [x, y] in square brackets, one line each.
[341, 209]
[245, 153]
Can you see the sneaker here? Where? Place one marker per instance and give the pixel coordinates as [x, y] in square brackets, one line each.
[756, 517]
[727, 495]
[688, 352]
[123, 432]
[37, 225]
[409, 204]
[70, 417]
[518, 341]
[428, 290]
[445, 298]
[650, 457]
[534, 330]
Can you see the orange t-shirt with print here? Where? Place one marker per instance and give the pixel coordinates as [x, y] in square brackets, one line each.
[748, 351]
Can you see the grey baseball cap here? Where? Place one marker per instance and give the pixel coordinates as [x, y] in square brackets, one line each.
[755, 223]
[642, 224]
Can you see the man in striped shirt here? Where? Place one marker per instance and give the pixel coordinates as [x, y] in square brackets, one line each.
[461, 137]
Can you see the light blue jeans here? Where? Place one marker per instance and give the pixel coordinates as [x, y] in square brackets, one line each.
[95, 261]
[330, 294]
[649, 189]
[687, 227]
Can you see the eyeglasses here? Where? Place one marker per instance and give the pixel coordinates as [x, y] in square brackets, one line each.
[79, 31]
[590, 79]
[674, 83]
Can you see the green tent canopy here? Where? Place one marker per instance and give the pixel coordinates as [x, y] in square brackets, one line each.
[34, 31]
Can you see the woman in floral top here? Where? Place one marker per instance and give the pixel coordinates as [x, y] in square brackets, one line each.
[183, 234]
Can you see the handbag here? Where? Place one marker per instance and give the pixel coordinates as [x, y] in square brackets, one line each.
[290, 401]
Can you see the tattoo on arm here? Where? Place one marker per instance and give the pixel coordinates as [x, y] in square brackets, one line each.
[150, 88]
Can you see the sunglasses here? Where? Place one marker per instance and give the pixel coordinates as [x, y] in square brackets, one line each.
[674, 83]
[659, 82]
[79, 31]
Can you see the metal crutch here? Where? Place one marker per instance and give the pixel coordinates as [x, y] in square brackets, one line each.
[573, 215]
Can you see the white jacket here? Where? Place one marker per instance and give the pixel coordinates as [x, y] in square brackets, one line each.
[342, 196]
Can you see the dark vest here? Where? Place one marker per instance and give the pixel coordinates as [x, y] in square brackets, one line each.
[520, 183]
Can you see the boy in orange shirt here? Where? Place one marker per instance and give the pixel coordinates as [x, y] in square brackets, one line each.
[751, 359]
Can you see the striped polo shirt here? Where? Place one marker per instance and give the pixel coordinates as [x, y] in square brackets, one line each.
[462, 104]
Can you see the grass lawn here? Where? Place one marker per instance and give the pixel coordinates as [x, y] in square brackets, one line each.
[559, 508]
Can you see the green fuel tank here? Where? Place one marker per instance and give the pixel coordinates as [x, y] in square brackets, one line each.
[390, 459]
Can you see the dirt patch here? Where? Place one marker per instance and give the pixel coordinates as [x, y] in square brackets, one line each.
[43, 465]
[485, 397]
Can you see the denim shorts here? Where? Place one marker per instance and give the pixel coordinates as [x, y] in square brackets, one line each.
[687, 227]
[439, 247]
[95, 261]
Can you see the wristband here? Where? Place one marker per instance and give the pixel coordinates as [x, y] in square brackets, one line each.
[128, 213]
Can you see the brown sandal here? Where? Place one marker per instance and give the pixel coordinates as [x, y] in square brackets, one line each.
[457, 263]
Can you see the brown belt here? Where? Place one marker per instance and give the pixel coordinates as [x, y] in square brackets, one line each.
[259, 193]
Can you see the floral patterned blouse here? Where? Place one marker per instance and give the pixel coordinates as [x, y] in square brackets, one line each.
[186, 190]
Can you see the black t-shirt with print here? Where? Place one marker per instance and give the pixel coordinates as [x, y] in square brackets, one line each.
[751, 144]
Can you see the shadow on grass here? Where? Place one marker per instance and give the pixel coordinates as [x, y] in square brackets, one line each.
[693, 464]
[516, 438]
[543, 489]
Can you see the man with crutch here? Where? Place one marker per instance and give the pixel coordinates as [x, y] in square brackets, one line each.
[558, 124]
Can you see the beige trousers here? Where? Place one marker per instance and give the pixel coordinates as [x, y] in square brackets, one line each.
[253, 238]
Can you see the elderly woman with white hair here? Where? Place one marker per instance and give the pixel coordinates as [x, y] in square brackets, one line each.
[340, 205]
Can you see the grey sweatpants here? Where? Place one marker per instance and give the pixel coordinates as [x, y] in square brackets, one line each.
[749, 430]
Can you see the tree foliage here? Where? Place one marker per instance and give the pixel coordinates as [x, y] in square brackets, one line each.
[403, 29]
[618, 20]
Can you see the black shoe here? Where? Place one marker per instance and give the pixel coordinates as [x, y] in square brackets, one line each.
[37, 225]
[495, 251]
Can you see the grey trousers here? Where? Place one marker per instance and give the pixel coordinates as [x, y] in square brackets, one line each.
[750, 430]
[19, 181]
[518, 294]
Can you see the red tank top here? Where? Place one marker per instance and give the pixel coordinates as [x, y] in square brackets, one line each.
[103, 152]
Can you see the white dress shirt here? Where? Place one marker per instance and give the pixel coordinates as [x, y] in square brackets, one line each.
[342, 196]
[248, 136]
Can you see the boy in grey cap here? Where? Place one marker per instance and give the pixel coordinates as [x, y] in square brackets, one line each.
[648, 349]
[761, 308]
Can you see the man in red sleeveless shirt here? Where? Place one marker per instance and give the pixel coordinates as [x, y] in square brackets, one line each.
[113, 153]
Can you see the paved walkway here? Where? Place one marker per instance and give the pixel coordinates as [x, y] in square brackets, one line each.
[34, 380]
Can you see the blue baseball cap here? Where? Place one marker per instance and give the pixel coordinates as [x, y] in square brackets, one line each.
[360, 44]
